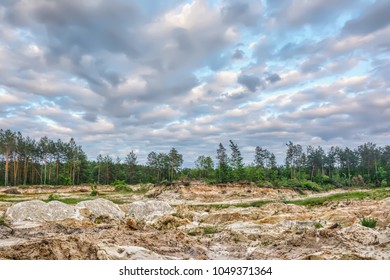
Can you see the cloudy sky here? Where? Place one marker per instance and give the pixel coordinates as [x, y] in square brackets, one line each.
[125, 75]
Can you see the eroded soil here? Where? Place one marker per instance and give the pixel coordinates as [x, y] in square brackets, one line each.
[208, 222]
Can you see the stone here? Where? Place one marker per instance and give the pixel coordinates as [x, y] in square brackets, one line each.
[150, 210]
[37, 211]
[100, 208]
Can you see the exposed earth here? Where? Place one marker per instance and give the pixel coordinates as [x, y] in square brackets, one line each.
[192, 222]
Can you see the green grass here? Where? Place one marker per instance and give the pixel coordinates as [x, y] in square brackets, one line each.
[11, 198]
[368, 222]
[128, 189]
[2, 222]
[69, 200]
[210, 230]
[315, 201]
[240, 205]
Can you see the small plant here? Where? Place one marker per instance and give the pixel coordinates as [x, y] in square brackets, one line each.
[318, 225]
[210, 230]
[3, 223]
[368, 222]
[94, 191]
[52, 197]
[119, 183]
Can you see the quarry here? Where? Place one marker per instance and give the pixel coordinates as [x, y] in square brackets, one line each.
[193, 221]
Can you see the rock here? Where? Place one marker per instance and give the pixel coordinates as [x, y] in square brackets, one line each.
[131, 223]
[37, 211]
[358, 235]
[129, 253]
[149, 210]
[100, 208]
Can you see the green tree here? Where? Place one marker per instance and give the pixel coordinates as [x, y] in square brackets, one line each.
[236, 162]
[7, 144]
[131, 163]
[223, 167]
[175, 161]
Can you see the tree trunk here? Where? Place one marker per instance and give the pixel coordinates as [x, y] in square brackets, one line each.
[25, 170]
[98, 179]
[16, 167]
[50, 163]
[57, 171]
[6, 167]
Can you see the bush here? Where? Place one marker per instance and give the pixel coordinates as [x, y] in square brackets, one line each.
[94, 191]
[368, 222]
[119, 183]
[3, 223]
[311, 186]
[122, 188]
[211, 181]
[165, 182]
[210, 230]
[318, 225]
[265, 184]
[53, 197]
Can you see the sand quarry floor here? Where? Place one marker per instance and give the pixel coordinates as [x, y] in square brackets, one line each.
[195, 222]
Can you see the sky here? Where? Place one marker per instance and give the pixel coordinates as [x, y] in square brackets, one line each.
[124, 75]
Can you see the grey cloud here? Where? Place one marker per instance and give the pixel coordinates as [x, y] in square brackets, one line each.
[296, 13]
[251, 82]
[238, 54]
[313, 64]
[373, 19]
[244, 12]
[272, 77]
[90, 117]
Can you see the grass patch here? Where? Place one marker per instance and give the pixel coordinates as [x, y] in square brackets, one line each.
[11, 198]
[67, 200]
[210, 230]
[239, 205]
[128, 189]
[116, 201]
[318, 225]
[315, 201]
[3, 223]
[368, 222]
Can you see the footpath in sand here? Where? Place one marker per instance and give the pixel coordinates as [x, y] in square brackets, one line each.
[193, 222]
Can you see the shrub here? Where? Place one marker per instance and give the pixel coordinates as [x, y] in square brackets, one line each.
[94, 191]
[318, 225]
[118, 183]
[3, 223]
[265, 184]
[53, 197]
[368, 222]
[122, 188]
[311, 186]
[210, 230]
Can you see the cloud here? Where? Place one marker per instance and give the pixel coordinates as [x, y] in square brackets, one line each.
[124, 75]
[251, 82]
[374, 18]
[238, 54]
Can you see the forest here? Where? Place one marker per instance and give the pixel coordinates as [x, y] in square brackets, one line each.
[26, 161]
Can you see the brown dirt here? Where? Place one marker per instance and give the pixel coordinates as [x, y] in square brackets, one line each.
[273, 231]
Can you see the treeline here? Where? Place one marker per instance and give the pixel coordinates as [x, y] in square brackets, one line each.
[25, 161]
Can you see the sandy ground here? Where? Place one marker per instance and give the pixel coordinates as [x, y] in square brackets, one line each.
[196, 230]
